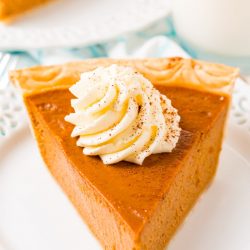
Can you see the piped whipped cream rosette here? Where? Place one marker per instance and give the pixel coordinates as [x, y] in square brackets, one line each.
[119, 115]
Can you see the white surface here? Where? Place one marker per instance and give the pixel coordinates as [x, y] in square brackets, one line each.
[76, 23]
[215, 26]
[35, 214]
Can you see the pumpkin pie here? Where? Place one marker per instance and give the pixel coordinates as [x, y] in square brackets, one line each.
[11, 8]
[130, 206]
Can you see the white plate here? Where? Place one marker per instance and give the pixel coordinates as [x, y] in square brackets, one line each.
[67, 23]
[36, 215]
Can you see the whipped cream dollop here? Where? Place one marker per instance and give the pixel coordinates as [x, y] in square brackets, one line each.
[119, 115]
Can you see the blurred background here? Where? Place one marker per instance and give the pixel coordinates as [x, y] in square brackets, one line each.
[64, 30]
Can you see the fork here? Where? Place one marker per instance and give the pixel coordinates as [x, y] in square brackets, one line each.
[7, 62]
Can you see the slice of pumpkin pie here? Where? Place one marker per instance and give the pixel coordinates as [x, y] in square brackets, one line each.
[133, 143]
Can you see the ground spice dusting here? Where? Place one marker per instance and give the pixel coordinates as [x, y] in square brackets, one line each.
[141, 120]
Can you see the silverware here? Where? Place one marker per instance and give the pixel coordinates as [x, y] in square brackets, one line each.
[7, 62]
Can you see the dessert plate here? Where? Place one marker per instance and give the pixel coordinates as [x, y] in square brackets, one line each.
[35, 213]
[65, 23]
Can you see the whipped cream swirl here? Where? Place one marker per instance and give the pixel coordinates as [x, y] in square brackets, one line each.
[119, 115]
